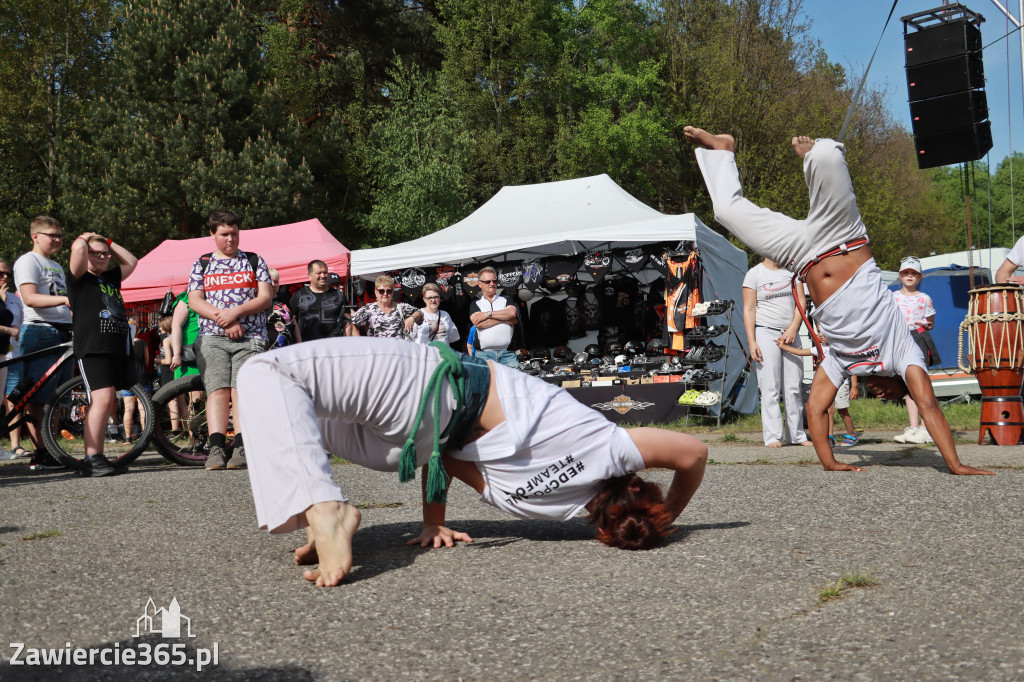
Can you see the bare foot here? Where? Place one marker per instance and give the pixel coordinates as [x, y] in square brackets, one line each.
[705, 139]
[306, 555]
[839, 466]
[964, 470]
[773, 445]
[802, 144]
[333, 524]
[807, 444]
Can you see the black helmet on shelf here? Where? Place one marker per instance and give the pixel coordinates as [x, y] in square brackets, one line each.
[540, 354]
[593, 350]
[633, 348]
[614, 348]
[655, 347]
[522, 354]
[562, 354]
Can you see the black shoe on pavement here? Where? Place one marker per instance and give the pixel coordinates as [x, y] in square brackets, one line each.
[42, 460]
[98, 465]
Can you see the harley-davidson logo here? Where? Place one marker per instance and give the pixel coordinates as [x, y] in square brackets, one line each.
[621, 404]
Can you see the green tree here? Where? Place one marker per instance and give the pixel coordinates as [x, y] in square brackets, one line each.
[189, 126]
[51, 60]
[416, 155]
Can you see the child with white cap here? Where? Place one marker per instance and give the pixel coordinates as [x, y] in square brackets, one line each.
[919, 312]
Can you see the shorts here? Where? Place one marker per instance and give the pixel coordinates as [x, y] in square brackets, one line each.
[35, 337]
[219, 359]
[104, 371]
[842, 400]
[147, 389]
[504, 357]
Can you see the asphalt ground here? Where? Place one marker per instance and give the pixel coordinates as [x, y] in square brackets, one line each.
[734, 594]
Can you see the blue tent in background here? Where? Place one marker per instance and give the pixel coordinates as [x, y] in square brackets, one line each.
[950, 289]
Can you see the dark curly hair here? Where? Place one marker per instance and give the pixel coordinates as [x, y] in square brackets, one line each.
[630, 513]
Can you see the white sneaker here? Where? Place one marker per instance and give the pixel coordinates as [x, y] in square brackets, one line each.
[918, 436]
[907, 432]
[923, 430]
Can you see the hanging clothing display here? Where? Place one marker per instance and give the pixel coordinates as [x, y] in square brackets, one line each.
[682, 292]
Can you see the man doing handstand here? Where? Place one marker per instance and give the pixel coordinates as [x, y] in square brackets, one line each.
[829, 249]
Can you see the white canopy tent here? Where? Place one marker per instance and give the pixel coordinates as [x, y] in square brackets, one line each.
[570, 217]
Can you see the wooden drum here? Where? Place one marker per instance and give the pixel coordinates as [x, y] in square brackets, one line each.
[995, 355]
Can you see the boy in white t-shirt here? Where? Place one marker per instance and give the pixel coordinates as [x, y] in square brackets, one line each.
[919, 312]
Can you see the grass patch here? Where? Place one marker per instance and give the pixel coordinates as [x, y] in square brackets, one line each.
[379, 505]
[868, 414]
[761, 460]
[730, 438]
[852, 578]
[41, 534]
[334, 459]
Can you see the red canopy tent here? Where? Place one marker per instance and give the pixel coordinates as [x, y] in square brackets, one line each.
[288, 248]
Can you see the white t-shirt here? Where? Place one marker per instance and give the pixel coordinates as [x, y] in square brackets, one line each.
[865, 329]
[48, 276]
[1016, 255]
[500, 335]
[774, 295]
[17, 309]
[534, 465]
[435, 327]
[916, 308]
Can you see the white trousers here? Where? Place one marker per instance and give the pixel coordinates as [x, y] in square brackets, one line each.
[779, 375]
[833, 218]
[354, 397]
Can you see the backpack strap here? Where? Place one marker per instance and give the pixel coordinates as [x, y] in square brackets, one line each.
[254, 260]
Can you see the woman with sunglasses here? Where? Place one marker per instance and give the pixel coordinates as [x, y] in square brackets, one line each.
[829, 250]
[384, 317]
[437, 324]
[528, 447]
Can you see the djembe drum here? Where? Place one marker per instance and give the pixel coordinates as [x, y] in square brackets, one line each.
[995, 339]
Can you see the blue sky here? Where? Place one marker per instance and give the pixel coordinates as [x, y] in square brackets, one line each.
[849, 32]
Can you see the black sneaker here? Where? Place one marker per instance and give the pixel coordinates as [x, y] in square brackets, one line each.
[97, 465]
[42, 460]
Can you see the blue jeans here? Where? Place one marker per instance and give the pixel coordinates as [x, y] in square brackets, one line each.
[35, 337]
[504, 357]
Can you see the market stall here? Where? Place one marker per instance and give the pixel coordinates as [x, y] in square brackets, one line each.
[288, 248]
[588, 237]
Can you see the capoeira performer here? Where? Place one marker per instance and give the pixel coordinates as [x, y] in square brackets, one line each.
[829, 250]
[526, 446]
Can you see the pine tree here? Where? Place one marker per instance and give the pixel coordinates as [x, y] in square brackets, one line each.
[190, 127]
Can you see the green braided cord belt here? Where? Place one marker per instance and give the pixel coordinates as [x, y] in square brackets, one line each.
[469, 379]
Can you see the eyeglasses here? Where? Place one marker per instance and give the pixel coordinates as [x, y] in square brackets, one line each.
[488, 281]
[431, 298]
[384, 292]
[5, 273]
[99, 254]
[55, 236]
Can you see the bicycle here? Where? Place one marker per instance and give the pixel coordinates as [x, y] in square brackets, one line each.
[63, 420]
[180, 433]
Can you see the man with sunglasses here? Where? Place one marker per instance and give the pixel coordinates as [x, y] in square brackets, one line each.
[44, 292]
[102, 338]
[494, 318]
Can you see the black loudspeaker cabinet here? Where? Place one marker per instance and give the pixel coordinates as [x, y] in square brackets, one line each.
[946, 76]
[953, 146]
[950, 112]
[946, 40]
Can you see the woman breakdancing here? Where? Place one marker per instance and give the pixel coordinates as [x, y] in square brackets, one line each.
[526, 446]
[829, 249]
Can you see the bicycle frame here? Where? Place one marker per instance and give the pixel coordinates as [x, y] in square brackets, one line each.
[11, 419]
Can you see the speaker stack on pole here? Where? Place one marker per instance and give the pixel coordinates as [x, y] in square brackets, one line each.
[946, 82]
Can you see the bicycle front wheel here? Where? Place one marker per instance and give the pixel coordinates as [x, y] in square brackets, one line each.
[180, 432]
[63, 429]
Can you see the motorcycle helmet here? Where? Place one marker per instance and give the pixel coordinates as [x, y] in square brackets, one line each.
[655, 347]
[561, 354]
[522, 355]
[540, 354]
[633, 348]
[593, 350]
